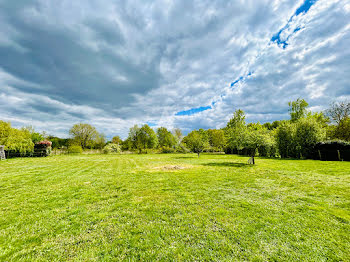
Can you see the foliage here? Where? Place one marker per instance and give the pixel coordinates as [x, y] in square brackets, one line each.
[252, 138]
[75, 149]
[285, 134]
[132, 141]
[167, 150]
[117, 140]
[36, 137]
[14, 139]
[59, 142]
[341, 131]
[141, 138]
[196, 141]
[308, 133]
[297, 109]
[237, 120]
[5, 131]
[165, 138]
[217, 139]
[111, 148]
[182, 148]
[100, 141]
[84, 134]
[297, 139]
[146, 138]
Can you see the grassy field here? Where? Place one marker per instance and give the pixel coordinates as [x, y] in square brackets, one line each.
[173, 207]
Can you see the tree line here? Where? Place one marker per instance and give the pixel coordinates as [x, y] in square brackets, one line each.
[294, 138]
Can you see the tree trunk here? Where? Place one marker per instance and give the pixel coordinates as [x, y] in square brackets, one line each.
[198, 154]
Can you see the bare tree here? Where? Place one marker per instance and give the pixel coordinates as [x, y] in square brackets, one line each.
[339, 111]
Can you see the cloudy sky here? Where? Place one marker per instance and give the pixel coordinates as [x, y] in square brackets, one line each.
[186, 64]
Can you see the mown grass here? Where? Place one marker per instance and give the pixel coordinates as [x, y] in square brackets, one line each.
[128, 207]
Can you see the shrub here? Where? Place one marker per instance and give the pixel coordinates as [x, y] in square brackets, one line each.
[167, 150]
[75, 149]
[182, 149]
[332, 150]
[111, 148]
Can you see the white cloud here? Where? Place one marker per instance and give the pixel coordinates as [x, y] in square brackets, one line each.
[115, 64]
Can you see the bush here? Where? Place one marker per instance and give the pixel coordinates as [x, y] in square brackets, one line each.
[111, 148]
[332, 151]
[75, 149]
[182, 149]
[167, 150]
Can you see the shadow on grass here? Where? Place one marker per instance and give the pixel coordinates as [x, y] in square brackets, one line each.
[228, 164]
[185, 157]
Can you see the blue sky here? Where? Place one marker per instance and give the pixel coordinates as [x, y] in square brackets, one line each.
[185, 64]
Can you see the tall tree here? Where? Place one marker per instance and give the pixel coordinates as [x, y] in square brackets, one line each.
[217, 138]
[100, 140]
[146, 138]
[84, 134]
[297, 109]
[165, 137]
[238, 119]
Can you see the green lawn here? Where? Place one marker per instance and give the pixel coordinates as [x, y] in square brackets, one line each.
[136, 207]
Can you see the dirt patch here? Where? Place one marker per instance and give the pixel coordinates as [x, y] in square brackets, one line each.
[170, 167]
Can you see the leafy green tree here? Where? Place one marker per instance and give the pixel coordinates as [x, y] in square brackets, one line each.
[217, 139]
[36, 137]
[5, 131]
[132, 141]
[117, 140]
[58, 142]
[253, 139]
[238, 119]
[165, 138]
[83, 134]
[233, 131]
[307, 134]
[342, 130]
[250, 138]
[319, 117]
[15, 139]
[100, 140]
[297, 109]
[195, 142]
[147, 137]
[285, 134]
[268, 125]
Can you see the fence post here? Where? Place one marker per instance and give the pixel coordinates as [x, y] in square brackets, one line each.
[339, 155]
[2, 153]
